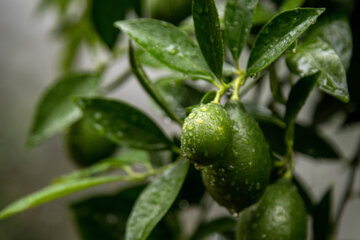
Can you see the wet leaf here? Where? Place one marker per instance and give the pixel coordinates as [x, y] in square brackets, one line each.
[168, 44]
[208, 34]
[335, 30]
[155, 201]
[278, 35]
[123, 124]
[315, 55]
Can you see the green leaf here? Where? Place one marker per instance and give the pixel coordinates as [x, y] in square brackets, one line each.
[104, 13]
[219, 225]
[178, 94]
[123, 124]
[263, 114]
[102, 217]
[238, 21]
[56, 191]
[208, 34]
[322, 218]
[307, 140]
[278, 35]
[146, 59]
[168, 44]
[335, 30]
[149, 86]
[155, 201]
[55, 110]
[126, 159]
[291, 4]
[315, 55]
[298, 95]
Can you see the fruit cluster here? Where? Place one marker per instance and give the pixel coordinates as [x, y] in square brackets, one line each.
[229, 147]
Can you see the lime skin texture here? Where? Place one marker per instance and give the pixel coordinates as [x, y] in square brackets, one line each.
[239, 178]
[279, 215]
[206, 134]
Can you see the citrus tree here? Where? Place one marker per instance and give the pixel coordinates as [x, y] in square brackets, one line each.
[239, 154]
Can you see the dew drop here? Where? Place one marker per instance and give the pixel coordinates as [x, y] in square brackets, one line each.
[192, 115]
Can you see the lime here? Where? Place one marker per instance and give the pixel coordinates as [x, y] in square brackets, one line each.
[279, 215]
[85, 145]
[206, 134]
[239, 178]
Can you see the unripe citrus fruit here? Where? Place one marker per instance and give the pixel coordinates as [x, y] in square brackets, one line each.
[85, 145]
[206, 134]
[279, 215]
[239, 178]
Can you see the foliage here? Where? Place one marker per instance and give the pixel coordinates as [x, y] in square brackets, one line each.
[317, 39]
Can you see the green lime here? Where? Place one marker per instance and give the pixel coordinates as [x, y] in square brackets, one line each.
[206, 134]
[279, 215]
[85, 145]
[239, 178]
[172, 11]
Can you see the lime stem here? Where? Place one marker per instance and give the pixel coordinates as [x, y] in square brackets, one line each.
[238, 82]
[223, 88]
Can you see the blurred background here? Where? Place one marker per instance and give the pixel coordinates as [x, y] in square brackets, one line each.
[29, 62]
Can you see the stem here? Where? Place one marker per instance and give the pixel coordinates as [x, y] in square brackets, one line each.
[219, 93]
[117, 82]
[238, 82]
[250, 84]
[289, 141]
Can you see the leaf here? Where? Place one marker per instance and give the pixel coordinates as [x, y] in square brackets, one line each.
[149, 86]
[306, 140]
[55, 110]
[178, 94]
[335, 30]
[326, 108]
[219, 225]
[104, 13]
[146, 59]
[238, 21]
[123, 124]
[291, 4]
[278, 35]
[127, 158]
[315, 55]
[263, 114]
[168, 44]
[298, 95]
[155, 201]
[102, 217]
[208, 34]
[56, 191]
[322, 219]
